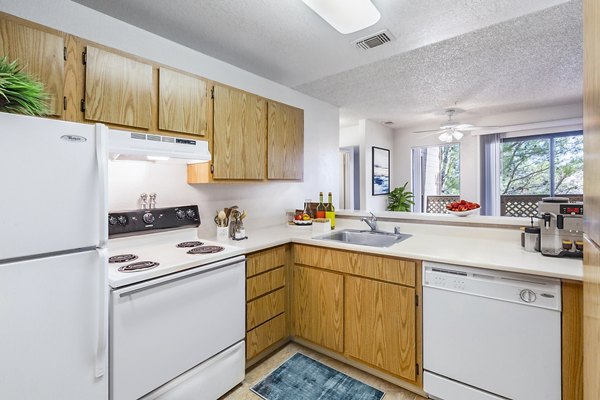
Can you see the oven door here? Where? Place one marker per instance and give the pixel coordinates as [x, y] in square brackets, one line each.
[163, 327]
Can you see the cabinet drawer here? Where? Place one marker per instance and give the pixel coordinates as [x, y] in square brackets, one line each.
[381, 268]
[264, 283]
[265, 335]
[265, 308]
[265, 261]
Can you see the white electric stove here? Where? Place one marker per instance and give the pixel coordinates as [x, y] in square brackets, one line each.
[139, 258]
[177, 308]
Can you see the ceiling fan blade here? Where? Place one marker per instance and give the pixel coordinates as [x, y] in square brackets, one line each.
[477, 127]
[429, 131]
[463, 126]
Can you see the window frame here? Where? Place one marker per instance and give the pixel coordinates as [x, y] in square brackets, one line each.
[552, 152]
[419, 197]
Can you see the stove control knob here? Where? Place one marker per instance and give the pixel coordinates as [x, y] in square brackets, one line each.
[148, 218]
[528, 296]
[191, 213]
[122, 220]
[112, 220]
[180, 214]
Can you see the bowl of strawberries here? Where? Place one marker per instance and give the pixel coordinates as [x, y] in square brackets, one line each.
[462, 208]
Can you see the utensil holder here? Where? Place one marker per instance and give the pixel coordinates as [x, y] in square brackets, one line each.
[222, 233]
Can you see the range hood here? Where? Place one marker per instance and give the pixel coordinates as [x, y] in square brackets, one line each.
[126, 145]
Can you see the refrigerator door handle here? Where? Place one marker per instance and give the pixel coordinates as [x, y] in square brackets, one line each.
[102, 162]
[101, 351]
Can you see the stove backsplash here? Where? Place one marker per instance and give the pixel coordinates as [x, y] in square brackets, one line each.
[265, 203]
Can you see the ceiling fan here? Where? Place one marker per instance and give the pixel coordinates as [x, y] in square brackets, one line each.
[452, 130]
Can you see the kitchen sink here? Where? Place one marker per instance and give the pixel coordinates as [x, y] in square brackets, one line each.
[365, 238]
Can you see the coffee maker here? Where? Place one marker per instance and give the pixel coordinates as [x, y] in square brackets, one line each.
[561, 226]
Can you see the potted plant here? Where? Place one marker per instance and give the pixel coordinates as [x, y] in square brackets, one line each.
[400, 199]
[19, 92]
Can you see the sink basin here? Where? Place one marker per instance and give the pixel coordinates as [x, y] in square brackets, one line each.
[365, 238]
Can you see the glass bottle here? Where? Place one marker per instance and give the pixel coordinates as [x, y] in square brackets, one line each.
[321, 207]
[330, 210]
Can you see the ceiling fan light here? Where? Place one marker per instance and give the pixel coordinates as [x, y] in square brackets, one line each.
[445, 137]
[457, 135]
[346, 16]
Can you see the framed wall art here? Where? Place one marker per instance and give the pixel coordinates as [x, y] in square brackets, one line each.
[381, 171]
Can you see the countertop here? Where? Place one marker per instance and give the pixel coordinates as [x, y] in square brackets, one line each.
[492, 248]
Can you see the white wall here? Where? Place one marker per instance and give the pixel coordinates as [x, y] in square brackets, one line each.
[379, 136]
[405, 140]
[366, 135]
[265, 202]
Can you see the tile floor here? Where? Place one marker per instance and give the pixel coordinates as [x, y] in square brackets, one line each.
[265, 367]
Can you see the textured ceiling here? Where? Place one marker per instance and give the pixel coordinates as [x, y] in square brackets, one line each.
[532, 61]
[489, 55]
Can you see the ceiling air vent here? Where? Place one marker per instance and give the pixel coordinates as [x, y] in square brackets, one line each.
[374, 40]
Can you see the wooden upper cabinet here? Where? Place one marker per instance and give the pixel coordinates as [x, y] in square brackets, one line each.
[41, 54]
[285, 142]
[240, 134]
[118, 89]
[380, 325]
[182, 102]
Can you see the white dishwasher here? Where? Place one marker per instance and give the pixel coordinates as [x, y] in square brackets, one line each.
[490, 335]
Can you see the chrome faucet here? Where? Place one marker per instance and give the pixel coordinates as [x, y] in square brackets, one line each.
[372, 222]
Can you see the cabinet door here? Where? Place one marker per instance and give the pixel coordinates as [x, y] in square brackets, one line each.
[591, 118]
[380, 325]
[182, 102]
[317, 307]
[285, 142]
[117, 89]
[240, 134]
[591, 320]
[40, 54]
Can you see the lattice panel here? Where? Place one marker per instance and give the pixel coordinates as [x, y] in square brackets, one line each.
[437, 204]
[525, 206]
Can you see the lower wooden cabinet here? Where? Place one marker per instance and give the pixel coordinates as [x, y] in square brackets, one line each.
[317, 307]
[362, 306]
[266, 301]
[380, 325]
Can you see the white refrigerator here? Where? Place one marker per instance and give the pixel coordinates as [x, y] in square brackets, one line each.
[53, 259]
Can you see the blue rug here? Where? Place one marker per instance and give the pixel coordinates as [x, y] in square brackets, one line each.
[302, 378]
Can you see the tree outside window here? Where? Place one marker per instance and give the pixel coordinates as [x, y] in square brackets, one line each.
[542, 165]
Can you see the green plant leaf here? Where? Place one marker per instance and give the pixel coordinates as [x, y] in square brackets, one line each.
[400, 199]
[19, 92]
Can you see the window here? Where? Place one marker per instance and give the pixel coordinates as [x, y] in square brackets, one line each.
[548, 165]
[517, 172]
[436, 177]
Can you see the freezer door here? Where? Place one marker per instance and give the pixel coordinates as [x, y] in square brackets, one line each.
[52, 336]
[53, 185]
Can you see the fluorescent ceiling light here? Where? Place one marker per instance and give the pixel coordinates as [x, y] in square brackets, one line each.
[346, 16]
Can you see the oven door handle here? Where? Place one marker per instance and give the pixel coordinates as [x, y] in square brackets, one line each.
[179, 278]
